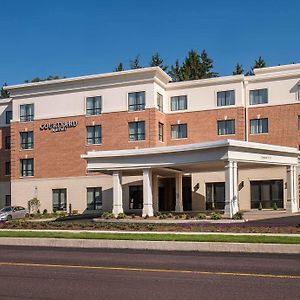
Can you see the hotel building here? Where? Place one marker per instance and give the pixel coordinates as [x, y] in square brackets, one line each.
[135, 141]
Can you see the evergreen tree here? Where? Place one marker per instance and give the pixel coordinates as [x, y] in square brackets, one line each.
[192, 68]
[38, 79]
[4, 93]
[176, 71]
[207, 66]
[157, 61]
[119, 68]
[259, 63]
[238, 69]
[135, 63]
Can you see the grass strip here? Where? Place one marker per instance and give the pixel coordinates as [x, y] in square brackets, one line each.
[155, 237]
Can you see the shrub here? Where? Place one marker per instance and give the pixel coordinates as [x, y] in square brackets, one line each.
[201, 216]
[38, 212]
[75, 212]
[216, 216]
[238, 216]
[133, 216]
[33, 205]
[183, 216]
[275, 207]
[108, 215]
[163, 216]
[121, 216]
[146, 217]
[187, 217]
[170, 215]
[177, 217]
[45, 211]
[150, 226]
[260, 206]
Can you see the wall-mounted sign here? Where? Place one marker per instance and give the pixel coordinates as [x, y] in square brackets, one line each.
[58, 126]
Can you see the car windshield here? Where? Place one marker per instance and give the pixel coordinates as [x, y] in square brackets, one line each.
[5, 209]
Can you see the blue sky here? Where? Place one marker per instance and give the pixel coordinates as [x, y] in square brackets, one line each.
[73, 38]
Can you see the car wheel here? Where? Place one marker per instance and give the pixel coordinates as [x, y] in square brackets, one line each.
[9, 217]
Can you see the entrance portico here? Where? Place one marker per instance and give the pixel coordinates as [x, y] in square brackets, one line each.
[227, 155]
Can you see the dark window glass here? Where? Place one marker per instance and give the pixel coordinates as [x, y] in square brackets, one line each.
[225, 98]
[178, 103]
[7, 142]
[136, 101]
[215, 195]
[136, 131]
[8, 116]
[7, 200]
[94, 198]
[27, 167]
[258, 96]
[93, 105]
[26, 112]
[161, 132]
[136, 197]
[160, 102]
[94, 134]
[59, 199]
[179, 131]
[26, 140]
[298, 92]
[259, 126]
[226, 127]
[7, 168]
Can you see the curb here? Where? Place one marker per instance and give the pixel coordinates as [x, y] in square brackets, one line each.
[153, 245]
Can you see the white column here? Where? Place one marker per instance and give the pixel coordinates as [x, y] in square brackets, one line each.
[231, 189]
[155, 190]
[117, 193]
[292, 197]
[178, 183]
[147, 193]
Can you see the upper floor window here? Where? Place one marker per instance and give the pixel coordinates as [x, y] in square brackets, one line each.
[7, 142]
[160, 102]
[225, 98]
[27, 167]
[258, 96]
[7, 168]
[94, 198]
[298, 122]
[8, 116]
[160, 132]
[26, 140]
[299, 92]
[259, 126]
[26, 112]
[94, 135]
[136, 101]
[226, 127]
[93, 105]
[179, 131]
[178, 103]
[136, 131]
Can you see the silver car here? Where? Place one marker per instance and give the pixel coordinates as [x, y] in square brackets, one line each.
[13, 212]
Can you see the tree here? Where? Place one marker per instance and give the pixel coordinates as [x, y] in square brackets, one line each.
[259, 63]
[4, 93]
[238, 69]
[176, 71]
[207, 66]
[157, 61]
[135, 63]
[119, 68]
[38, 79]
[191, 67]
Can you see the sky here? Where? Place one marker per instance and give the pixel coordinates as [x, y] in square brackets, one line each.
[74, 38]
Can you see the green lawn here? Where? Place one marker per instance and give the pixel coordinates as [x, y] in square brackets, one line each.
[155, 237]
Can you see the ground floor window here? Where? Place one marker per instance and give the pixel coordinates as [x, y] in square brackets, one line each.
[136, 197]
[59, 199]
[7, 200]
[215, 195]
[266, 193]
[94, 198]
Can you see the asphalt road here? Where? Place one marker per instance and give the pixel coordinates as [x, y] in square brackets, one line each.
[43, 273]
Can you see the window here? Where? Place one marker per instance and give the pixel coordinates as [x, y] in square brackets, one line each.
[298, 122]
[178, 103]
[179, 131]
[94, 198]
[7, 142]
[93, 105]
[27, 167]
[259, 126]
[136, 197]
[26, 112]
[160, 102]
[136, 131]
[7, 168]
[225, 98]
[7, 200]
[226, 127]
[59, 199]
[136, 101]
[26, 140]
[299, 92]
[215, 195]
[160, 132]
[94, 135]
[258, 96]
[8, 116]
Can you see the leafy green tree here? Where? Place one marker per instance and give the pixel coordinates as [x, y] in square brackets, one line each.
[4, 93]
[238, 69]
[119, 68]
[135, 63]
[176, 71]
[157, 61]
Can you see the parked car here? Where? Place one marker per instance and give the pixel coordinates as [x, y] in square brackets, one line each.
[13, 212]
